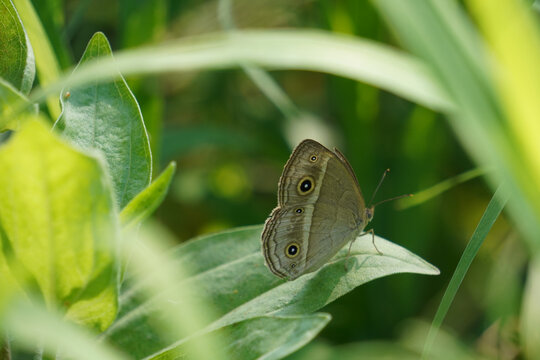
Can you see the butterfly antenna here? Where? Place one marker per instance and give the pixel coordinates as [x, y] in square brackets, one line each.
[394, 198]
[378, 186]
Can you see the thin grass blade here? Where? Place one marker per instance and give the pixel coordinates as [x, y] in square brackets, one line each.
[491, 214]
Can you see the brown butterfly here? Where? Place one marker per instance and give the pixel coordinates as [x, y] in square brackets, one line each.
[320, 209]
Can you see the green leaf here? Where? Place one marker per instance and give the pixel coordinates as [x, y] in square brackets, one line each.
[265, 337]
[58, 225]
[17, 60]
[47, 66]
[144, 204]
[107, 117]
[491, 214]
[228, 269]
[10, 101]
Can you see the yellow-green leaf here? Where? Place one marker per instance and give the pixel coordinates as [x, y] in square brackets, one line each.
[58, 225]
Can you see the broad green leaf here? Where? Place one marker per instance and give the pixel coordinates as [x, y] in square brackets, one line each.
[265, 337]
[144, 204]
[530, 313]
[355, 58]
[30, 326]
[17, 60]
[46, 64]
[155, 269]
[58, 224]
[228, 270]
[10, 101]
[106, 117]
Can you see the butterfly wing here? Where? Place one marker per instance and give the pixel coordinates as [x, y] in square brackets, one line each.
[319, 210]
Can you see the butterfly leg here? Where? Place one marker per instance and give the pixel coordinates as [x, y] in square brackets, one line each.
[348, 255]
[373, 240]
[370, 231]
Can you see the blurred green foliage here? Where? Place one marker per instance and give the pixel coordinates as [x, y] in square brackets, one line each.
[230, 142]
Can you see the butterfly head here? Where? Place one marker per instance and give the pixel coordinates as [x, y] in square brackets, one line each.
[368, 214]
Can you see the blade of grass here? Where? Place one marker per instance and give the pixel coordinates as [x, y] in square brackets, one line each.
[512, 34]
[441, 33]
[437, 189]
[155, 272]
[493, 210]
[26, 323]
[310, 50]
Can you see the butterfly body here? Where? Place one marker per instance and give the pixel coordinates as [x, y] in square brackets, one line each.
[320, 209]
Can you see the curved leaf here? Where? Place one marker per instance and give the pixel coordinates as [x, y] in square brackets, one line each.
[107, 117]
[45, 60]
[17, 60]
[149, 199]
[228, 270]
[355, 58]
